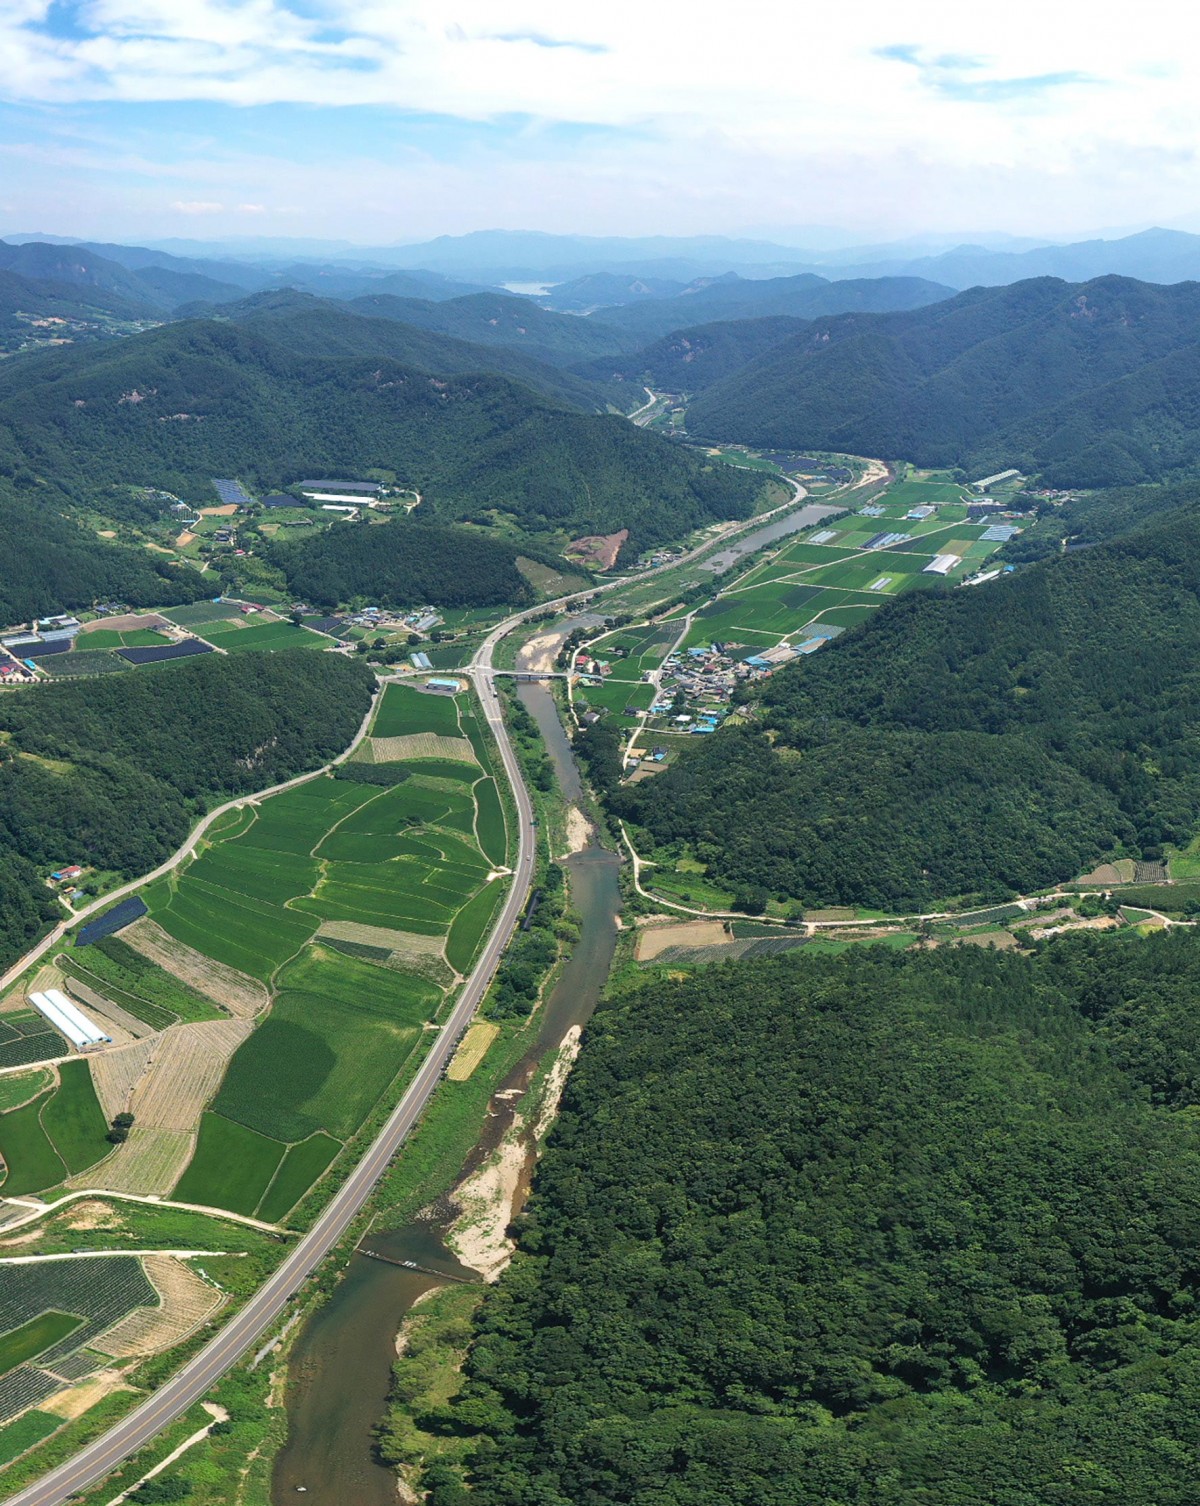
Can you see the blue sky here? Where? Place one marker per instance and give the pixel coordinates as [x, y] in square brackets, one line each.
[387, 120]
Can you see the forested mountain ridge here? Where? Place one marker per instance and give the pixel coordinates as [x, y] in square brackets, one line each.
[964, 742]
[137, 757]
[805, 296]
[689, 360]
[1088, 384]
[494, 319]
[150, 292]
[51, 564]
[323, 329]
[186, 402]
[863, 1229]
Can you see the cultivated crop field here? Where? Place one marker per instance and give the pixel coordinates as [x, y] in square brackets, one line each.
[54, 1134]
[276, 1044]
[237, 635]
[92, 1296]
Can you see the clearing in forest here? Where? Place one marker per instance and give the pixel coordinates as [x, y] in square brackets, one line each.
[652, 940]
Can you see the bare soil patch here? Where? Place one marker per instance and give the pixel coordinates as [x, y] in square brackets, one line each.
[226, 510]
[472, 1049]
[655, 939]
[115, 1074]
[129, 623]
[1097, 923]
[421, 745]
[186, 1301]
[480, 1233]
[1108, 873]
[597, 551]
[241, 995]
[579, 830]
[1003, 941]
[77, 1400]
[539, 653]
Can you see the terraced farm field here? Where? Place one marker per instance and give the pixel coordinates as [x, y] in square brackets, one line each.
[269, 1046]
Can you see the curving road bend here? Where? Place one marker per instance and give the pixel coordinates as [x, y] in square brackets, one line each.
[193, 1381]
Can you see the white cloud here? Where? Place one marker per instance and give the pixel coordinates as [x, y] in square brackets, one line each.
[197, 206]
[931, 105]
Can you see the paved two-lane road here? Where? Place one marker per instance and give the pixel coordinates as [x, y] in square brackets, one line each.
[223, 1351]
[202, 1372]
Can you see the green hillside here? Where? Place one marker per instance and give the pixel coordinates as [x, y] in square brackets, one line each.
[319, 328]
[1089, 384]
[964, 742]
[804, 296]
[492, 319]
[689, 360]
[134, 759]
[872, 1229]
[51, 564]
[181, 404]
[401, 563]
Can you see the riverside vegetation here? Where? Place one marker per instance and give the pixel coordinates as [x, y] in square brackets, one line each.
[869, 1228]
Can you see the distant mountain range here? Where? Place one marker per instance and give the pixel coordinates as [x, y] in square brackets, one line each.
[1090, 384]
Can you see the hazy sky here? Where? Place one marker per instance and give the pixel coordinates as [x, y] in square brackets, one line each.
[382, 120]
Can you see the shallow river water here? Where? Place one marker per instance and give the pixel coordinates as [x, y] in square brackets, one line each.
[340, 1366]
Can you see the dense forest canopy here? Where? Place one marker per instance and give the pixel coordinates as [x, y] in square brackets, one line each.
[181, 404]
[1089, 384]
[402, 563]
[111, 772]
[965, 742]
[51, 564]
[870, 1229]
[689, 360]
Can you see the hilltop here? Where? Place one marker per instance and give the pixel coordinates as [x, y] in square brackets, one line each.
[963, 742]
[1090, 384]
[186, 402]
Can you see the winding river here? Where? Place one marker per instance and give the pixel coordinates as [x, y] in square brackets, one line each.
[340, 1367]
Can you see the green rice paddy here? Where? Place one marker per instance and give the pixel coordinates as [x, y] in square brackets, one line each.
[404, 710]
[109, 638]
[54, 1135]
[339, 1031]
[28, 1429]
[240, 634]
[74, 1120]
[298, 1170]
[232, 1167]
[23, 1343]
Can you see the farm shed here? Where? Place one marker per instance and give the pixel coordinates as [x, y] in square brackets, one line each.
[68, 1019]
